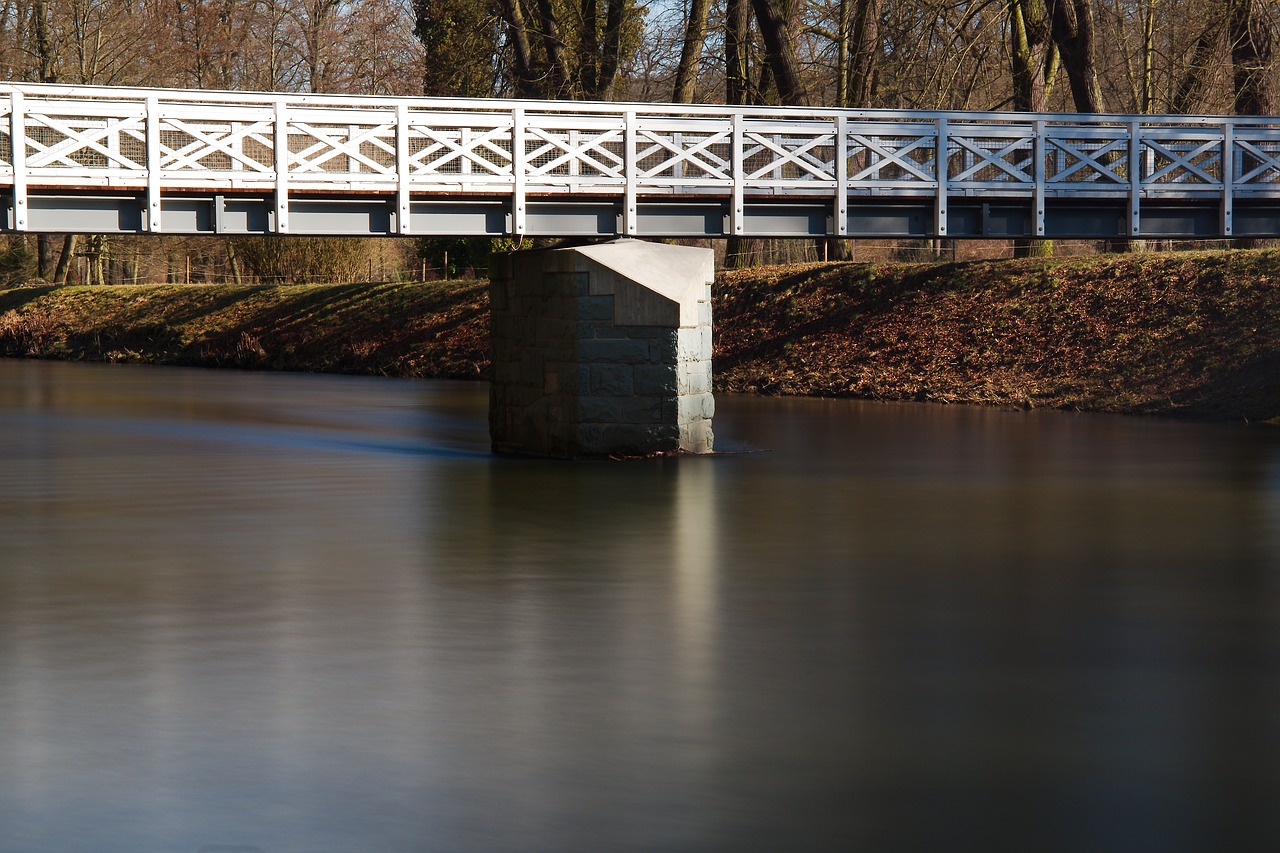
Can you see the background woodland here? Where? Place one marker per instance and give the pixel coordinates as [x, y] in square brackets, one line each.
[1120, 56]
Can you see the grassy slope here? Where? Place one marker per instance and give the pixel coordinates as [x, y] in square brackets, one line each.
[438, 330]
[1193, 333]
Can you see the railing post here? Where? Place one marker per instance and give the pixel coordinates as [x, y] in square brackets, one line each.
[1038, 144]
[281, 139]
[737, 214]
[18, 156]
[517, 172]
[940, 173]
[841, 150]
[402, 169]
[1135, 178]
[1228, 175]
[630, 172]
[154, 223]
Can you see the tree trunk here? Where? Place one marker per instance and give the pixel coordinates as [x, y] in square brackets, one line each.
[526, 78]
[587, 72]
[553, 44]
[63, 269]
[1033, 56]
[737, 92]
[1249, 31]
[611, 50]
[1148, 55]
[695, 34]
[864, 43]
[233, 261]
[737, 50]
[1072, 27]
[1033, 65]
[1191, 86]
[775, 30]
[44, 256]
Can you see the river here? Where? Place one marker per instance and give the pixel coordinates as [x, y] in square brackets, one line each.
[248, 612]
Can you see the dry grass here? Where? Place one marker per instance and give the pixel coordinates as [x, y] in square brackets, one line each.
[1185, 333]
[435, 329]
[1190, 333]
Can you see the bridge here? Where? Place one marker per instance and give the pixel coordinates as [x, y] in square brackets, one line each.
[117, 160]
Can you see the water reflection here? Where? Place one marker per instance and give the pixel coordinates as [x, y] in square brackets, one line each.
[313, 614]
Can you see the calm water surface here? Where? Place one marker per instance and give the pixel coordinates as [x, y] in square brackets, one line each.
[299, 613]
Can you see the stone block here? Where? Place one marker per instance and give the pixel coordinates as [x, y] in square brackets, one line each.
[590, 439]
[704, 312]
[697, 437]
[688, 345]
[600, 410]
[640, 439]
[666, 349]
[595, 308]
[614, 351]
[551, 329]
[498, 298]
[692, 407]
[602, 339]
[642, 410]
[694, 378]
[611, 380]
[655, 379]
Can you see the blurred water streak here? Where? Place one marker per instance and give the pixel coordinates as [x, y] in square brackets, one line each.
[303, 613]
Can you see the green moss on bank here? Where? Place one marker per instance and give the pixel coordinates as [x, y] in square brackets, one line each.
[1186, 333]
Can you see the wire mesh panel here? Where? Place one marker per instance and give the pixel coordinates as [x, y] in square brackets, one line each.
[86, 146]
[328, 147]
[789, 155]
[6, 139]
[238, 150]
[457, 151]
[896, 156]
[991, 157]
[1256, 166]
[687, 153]
[1080, 155]
[565, 152]
[1179, 160]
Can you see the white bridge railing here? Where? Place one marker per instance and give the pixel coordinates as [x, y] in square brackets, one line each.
[159, 142]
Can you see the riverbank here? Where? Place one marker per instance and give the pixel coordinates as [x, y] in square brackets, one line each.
[1162, 333]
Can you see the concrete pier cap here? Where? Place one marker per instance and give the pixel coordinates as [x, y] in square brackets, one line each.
[601, 350]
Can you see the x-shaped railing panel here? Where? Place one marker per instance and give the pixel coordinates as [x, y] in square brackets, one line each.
[1077, 157]
[441, 147]
[151, 141]
[680, 153]
[187, 145]
[76, 143]
[987, 158]
[1181, 161]
[1258, 161]
[788, 154]
[907, 159]
[313, 146]
[580, 152]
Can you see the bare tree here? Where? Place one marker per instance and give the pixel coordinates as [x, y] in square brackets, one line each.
[1249, 31]
[779, 44]
[695, 34]
[1073, 33]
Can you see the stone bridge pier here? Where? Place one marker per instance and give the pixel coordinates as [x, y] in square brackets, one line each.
[601, 350]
